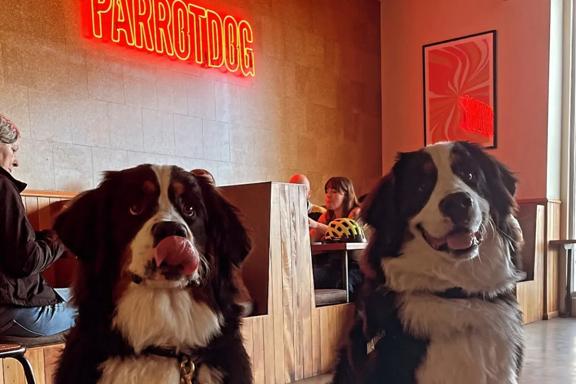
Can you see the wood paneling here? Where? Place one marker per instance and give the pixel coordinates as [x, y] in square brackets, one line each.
[294, 340]
[551, 294]
[43, 361]
[41, 209]
[539, 298]
[530, 292]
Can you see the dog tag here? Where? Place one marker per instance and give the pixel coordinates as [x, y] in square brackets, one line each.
[187, 369]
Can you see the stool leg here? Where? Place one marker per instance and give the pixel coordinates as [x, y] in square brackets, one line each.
[27, 368]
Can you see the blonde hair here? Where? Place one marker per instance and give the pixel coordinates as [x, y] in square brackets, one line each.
[9, 132]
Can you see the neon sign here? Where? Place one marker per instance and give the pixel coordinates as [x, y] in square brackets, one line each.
[477, 116]
[177, 29]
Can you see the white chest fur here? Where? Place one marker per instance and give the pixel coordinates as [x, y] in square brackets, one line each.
[148, 316]
[151, 370]
[141, 370]
[164, 317]
[471, 341]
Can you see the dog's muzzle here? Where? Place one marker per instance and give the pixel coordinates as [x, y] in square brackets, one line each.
[174, 256]
[458, 241]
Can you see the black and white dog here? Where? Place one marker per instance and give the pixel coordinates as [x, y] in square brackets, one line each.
[155, 294]
[439, 305]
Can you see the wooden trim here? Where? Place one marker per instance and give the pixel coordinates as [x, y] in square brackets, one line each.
[551, 315]
[329, 247]
[566, 244]
[552, 265]
[49, 194]
[294, 340]
[530, 292]
[538, 200]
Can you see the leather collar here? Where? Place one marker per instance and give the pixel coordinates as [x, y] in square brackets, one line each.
[188, 361]
[459, 293]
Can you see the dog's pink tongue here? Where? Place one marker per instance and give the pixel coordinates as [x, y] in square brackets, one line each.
[460, 240]
[177, 251]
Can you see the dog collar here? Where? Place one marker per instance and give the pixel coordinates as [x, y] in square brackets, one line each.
[187, 363]
[135, 278]
[459, 293]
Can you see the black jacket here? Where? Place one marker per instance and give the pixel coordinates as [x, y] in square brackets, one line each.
[23, 253]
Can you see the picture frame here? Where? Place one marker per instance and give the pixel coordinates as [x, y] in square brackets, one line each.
[460, 90]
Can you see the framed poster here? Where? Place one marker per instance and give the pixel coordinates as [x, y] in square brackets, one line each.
[460, 90]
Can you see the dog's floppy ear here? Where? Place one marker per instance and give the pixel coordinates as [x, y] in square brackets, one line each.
[224, 227]
[378, 208]
[380, 212]
[80, 225]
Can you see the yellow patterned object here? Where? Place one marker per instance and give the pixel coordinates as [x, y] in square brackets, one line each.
[344, 230]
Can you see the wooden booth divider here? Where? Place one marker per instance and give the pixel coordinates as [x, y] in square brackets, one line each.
[289, 339]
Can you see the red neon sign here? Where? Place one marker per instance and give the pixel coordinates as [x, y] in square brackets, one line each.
[177, 29]
[477, 116]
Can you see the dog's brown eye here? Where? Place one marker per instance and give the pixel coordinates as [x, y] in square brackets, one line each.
[188, 209]
[467, 175]
[136, 209]
[421, 187]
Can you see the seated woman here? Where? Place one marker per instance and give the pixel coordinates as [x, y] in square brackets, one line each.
[29, 308]
[341, 201]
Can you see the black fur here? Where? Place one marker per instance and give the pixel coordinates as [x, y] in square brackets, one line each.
[97, 227]
[398, 197]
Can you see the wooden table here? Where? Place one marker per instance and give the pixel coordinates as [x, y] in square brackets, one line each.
[568, 246]
[343, 248]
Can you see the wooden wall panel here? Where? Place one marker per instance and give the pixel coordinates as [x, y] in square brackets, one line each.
[551, 294]
[258, 361]
[334, 321]
[530, 293]
[36, 358]
[298, 339]
[13, 373]
[51, 357]
[546, 292]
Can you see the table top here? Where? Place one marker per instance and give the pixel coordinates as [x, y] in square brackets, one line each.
[327, 247]
[566, 244]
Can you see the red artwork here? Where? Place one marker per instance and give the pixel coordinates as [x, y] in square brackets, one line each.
[459, 90]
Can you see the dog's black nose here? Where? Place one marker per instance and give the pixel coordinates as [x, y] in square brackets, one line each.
[458, 207]
[164, 229]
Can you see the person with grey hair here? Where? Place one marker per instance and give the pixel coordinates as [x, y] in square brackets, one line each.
[30, 310]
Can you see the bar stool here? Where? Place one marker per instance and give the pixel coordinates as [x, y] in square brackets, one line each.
[17, 351]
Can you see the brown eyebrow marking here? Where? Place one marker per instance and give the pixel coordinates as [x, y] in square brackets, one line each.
[149, 187]
[178, 188]
[428, 166]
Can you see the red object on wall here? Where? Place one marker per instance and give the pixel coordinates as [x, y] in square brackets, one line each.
[459, 90]
[175, 28]
[476, 116]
